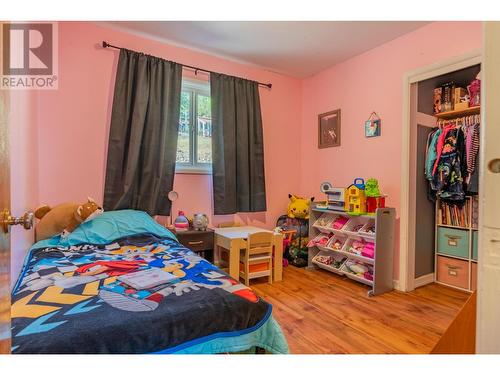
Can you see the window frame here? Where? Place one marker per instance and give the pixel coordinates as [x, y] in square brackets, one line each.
[194, 88]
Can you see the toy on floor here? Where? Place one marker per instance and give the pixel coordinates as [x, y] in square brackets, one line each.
[295, 249]
[287, 241]
[298, 208]
[64, 218]
[355, 199]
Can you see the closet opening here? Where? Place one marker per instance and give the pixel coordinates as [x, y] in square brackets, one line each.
[444, 126]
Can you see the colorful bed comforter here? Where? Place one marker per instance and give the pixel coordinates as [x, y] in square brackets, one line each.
[76, 296]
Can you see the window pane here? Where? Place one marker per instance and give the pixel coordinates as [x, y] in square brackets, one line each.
[204, 130]
[183, 142]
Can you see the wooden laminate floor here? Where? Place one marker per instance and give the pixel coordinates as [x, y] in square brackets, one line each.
[320, 312]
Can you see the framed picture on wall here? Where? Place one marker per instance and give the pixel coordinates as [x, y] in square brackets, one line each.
[373, 125]
[329, 129]
[372, 128]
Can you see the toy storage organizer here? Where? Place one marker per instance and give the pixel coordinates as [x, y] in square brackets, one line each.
[456, 245]
[359, 247]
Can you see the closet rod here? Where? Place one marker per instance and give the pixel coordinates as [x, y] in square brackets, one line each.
[196, 69]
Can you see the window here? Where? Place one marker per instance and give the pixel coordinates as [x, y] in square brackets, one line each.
[194, 145]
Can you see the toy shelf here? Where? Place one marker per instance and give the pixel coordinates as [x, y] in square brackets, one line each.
[381, 264]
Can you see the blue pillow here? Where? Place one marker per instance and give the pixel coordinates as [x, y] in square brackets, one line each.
[108, 227]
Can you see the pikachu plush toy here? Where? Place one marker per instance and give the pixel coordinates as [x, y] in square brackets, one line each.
[298, 208]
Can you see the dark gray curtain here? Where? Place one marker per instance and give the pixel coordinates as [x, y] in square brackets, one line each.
[143, 136]
[237, 146]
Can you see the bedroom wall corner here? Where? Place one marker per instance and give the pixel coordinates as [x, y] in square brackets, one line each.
[74, 122]
[370, 82]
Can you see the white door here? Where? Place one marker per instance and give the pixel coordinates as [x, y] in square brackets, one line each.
[488, 322]
[4, 237]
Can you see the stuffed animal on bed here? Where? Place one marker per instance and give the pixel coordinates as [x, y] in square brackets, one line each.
[298, 208]
[64, 218]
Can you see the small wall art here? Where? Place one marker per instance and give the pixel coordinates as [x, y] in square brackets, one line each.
[329, 129]
[373, 125]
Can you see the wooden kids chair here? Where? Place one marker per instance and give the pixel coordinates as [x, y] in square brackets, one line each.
[257, 259]
[223, 254]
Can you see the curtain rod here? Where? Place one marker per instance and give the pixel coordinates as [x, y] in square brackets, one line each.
[196, 69]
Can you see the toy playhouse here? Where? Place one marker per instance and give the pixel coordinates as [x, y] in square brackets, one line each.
[355, 199]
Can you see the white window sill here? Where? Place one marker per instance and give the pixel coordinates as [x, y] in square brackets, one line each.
[192, 170]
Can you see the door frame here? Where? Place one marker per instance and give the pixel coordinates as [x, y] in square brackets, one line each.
[406, 281]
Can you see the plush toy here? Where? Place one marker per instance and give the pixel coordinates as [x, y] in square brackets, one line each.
[371, 188]
[298, 208]
[64, 218]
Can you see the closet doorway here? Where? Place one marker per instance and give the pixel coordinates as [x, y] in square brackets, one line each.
[419, 227]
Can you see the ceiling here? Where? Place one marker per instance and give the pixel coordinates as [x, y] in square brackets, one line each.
[296, 48]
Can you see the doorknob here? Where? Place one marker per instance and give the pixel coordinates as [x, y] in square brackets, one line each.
[494, 165]
[6, 220]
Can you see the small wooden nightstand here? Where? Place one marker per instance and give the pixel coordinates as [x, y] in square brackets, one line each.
[200, 241]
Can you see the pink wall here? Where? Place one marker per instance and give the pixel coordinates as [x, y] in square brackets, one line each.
[372, 81]
[74, 122]
[24, 174]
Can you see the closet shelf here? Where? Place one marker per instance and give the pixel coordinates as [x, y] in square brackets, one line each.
[453, 226]
[462, 112]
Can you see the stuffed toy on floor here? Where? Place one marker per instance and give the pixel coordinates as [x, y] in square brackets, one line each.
[64, 218]
[296, 219]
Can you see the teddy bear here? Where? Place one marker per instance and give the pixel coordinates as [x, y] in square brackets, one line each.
[64, 218]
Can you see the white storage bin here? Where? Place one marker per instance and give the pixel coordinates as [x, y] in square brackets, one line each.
[336, 239]
[325, 220]
[336, 259]
[368, 229]
[346, 269]
[316, 240]
[354, 225]
[353, 255]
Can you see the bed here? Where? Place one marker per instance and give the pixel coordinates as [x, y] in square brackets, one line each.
[89, 293]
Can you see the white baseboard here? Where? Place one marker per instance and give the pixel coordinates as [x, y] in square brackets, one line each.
[395, 284]
[419, 281]
[424, 280]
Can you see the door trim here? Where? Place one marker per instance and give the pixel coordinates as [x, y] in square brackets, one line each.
[406, 215]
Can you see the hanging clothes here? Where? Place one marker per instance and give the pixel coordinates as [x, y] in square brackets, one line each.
[448, 173]
[451, 159]
[472, 147]
[431, 154]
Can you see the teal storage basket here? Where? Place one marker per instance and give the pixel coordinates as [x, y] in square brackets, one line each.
[454, 242]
